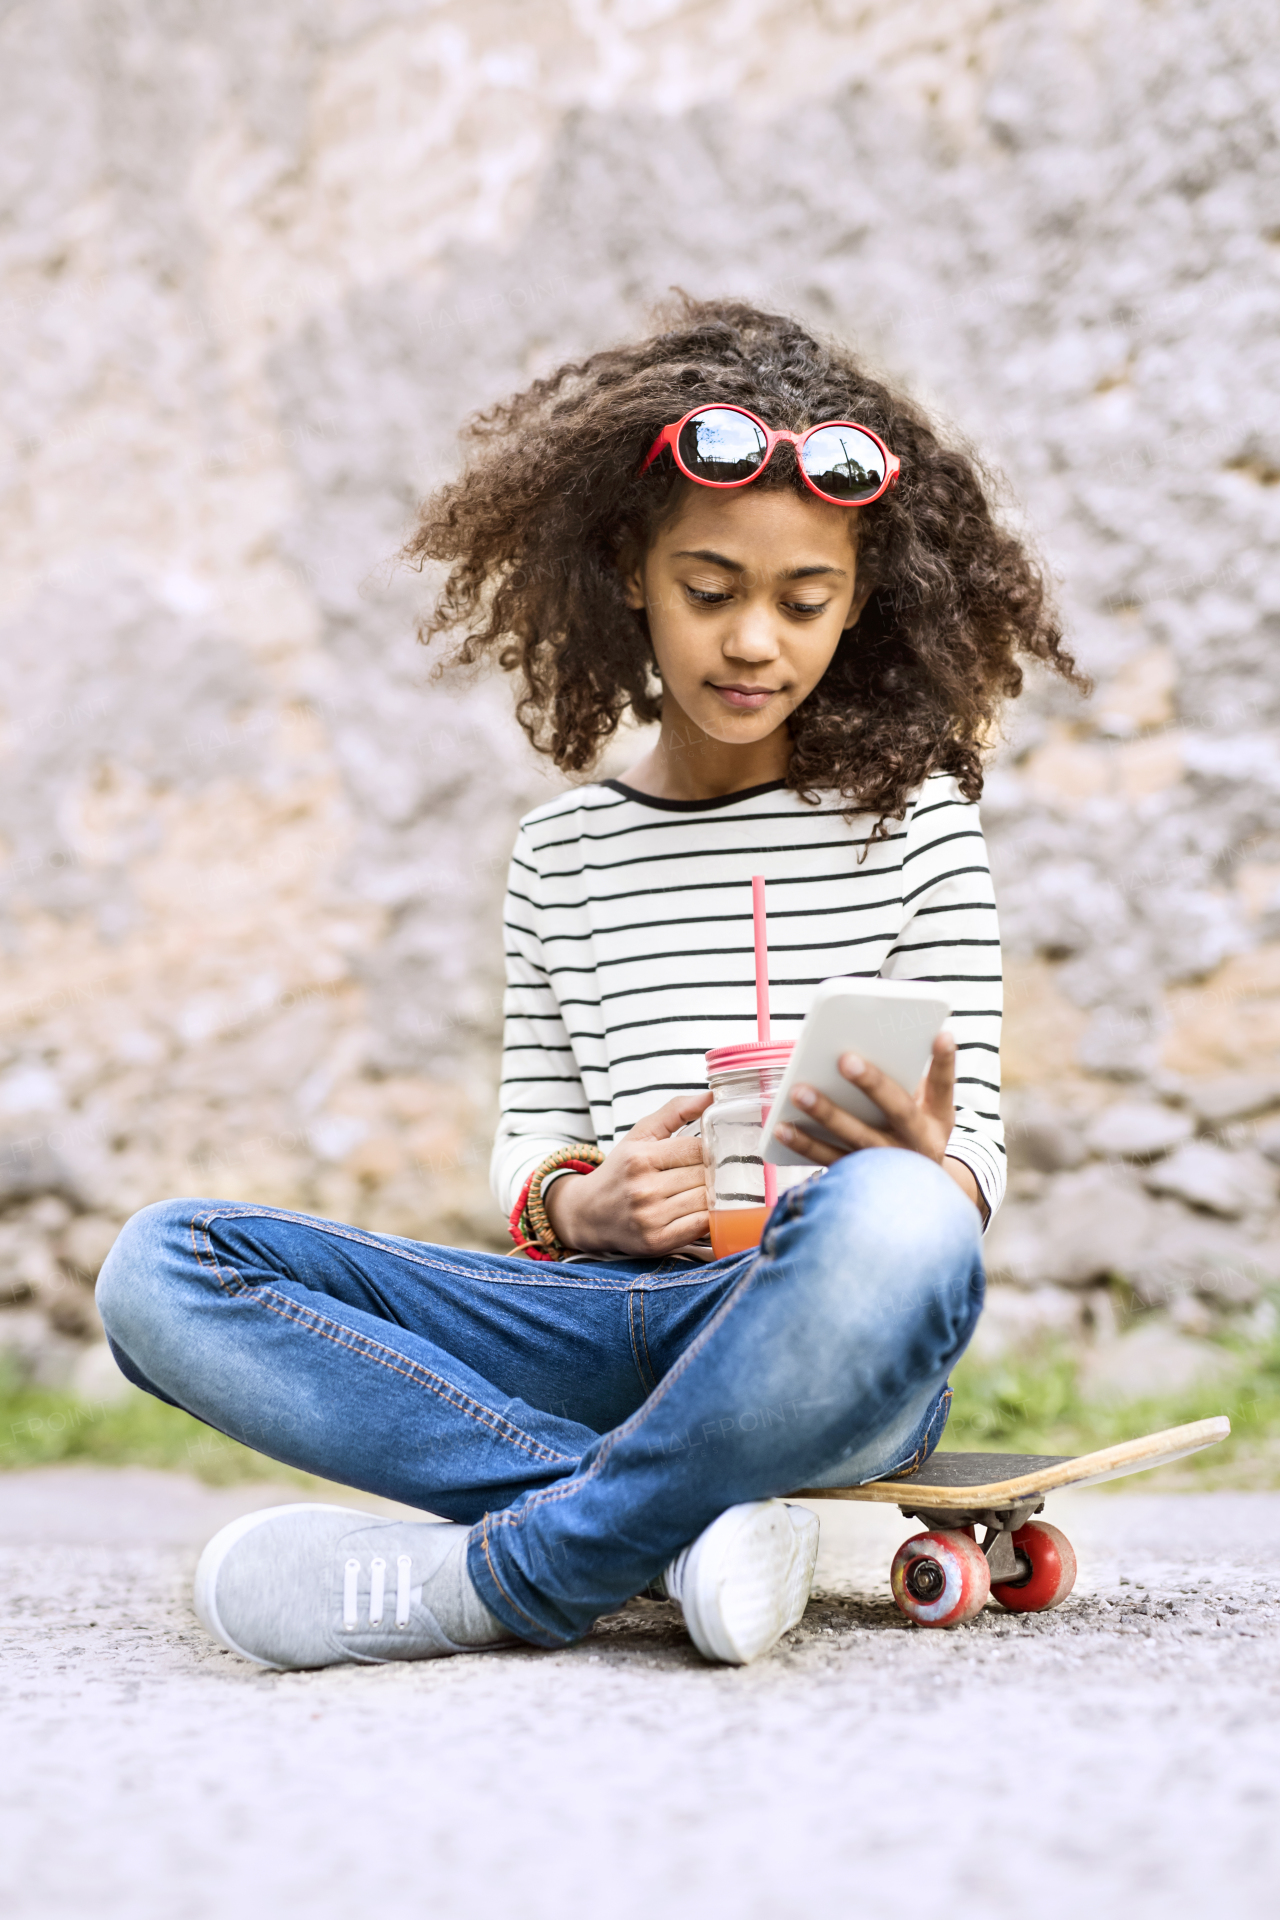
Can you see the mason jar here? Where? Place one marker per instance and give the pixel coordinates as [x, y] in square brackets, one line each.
[743, 1082]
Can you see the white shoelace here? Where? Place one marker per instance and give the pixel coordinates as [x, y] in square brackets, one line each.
[377, 1592]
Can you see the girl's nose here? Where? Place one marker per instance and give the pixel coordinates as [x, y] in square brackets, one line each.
[753, 636]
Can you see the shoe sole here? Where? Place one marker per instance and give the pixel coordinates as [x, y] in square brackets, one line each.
[748, 1579]
[205, 1592]
[806, 1529]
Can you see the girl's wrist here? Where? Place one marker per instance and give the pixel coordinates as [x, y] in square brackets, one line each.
[967, 1181]
[558, 1199]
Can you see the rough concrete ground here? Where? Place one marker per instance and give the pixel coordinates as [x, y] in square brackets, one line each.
[1118, 1757]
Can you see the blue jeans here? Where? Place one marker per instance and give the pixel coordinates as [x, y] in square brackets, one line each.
[586, 1420]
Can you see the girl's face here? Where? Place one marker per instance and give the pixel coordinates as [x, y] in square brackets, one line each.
[747, 595]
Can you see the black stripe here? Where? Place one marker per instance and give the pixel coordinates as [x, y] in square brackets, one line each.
[920, 946]
[546, 1112]
[938, 879]
[692, 809]
[520, 1015]
[566, 1079]
[936, 806]
[712, 953]
[659, 1053]
[668, 1087]
[949, 979]
[809, 980]
[674, 1019]
[577, 800]
[957, 906]
[721, 853]
[711, 986]
[966, 833]
[718, 886]
[693, 806]
[725, 919]
[668, 826]
[543, 1079]
[670, 1019]
[683, 1053]
[979, 1139]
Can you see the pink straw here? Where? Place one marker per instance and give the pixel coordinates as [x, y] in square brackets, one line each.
[762, 957]
[762, 1010]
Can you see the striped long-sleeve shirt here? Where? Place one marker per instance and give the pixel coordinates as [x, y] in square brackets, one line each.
[630, 953]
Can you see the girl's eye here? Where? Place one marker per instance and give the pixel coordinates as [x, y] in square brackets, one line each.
[806, 606]
[704, 599]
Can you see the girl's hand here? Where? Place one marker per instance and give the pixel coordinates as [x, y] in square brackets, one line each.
[648, 1196]
[920, 1122]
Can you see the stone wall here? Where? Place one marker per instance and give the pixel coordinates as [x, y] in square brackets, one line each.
[258, 265]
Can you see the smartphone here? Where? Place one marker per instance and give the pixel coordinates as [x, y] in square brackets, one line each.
[891, 1023]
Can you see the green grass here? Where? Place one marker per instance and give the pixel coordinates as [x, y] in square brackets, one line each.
[1035, 1406]
[1011, 1407]
[38, 1427]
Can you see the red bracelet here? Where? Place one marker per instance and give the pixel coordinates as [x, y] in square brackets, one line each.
[529, 1225]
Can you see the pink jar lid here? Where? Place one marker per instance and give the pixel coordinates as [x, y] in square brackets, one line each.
[752, 1053]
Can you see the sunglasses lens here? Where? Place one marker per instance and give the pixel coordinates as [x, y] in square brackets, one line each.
[844, 463]
[718, 444]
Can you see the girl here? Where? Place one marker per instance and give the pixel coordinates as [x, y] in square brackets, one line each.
[731, 529]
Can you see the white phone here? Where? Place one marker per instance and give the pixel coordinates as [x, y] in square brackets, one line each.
[891, 1023]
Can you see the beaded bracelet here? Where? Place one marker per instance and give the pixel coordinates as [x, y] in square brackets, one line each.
[529, 1226]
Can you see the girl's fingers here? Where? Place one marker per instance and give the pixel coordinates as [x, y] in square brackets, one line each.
[671, 1180]
[678, 1232]
[845, 1126]
[893, 1101]
[816, 1150]
[676, 1113]
[686, 1152]
[939, 1087]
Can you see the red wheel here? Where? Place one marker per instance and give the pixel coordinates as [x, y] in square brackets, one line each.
[940, 1579]
[1052, 1575]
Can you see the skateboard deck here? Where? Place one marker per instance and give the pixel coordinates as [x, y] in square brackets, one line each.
[962, 1482]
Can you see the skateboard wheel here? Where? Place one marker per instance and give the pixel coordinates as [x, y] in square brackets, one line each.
[1052, 1575]
[939, 1579]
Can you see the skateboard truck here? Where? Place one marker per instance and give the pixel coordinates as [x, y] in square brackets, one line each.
[1004, 1561]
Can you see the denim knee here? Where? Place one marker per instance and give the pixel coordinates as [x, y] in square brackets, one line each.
[884, 1235]
[133, 1273]
[132, 1288]
[902, 1204]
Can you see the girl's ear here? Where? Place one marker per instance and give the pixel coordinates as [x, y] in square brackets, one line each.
[860, 599]
[631, 567]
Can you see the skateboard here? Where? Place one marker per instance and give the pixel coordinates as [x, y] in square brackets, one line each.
[945, 1576]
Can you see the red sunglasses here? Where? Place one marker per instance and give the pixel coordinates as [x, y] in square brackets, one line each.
[729, 447]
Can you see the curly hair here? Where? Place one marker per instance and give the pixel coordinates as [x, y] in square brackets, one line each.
[534, 531]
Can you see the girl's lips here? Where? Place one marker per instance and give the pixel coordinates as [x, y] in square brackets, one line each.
[745, 699]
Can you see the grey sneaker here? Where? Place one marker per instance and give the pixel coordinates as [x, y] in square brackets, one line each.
[314, 1586]
[745, 1580]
